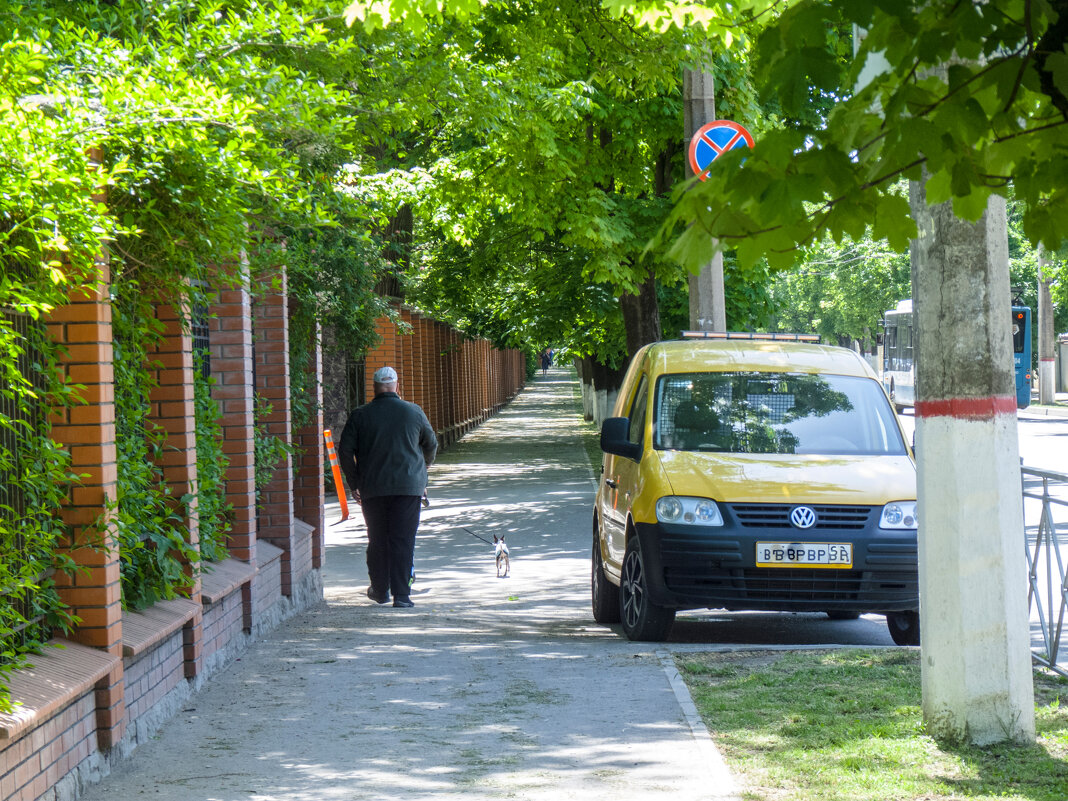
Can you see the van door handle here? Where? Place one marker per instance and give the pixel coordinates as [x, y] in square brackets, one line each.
[611, 482]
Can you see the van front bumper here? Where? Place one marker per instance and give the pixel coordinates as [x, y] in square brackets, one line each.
[692, 567]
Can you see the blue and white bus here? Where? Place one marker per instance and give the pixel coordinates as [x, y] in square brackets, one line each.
[899, 367]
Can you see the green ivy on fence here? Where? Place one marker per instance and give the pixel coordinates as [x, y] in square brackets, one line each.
[213, 510]
[34, 479]
[149, 521]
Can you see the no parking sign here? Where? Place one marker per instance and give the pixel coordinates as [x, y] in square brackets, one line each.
[713, 140]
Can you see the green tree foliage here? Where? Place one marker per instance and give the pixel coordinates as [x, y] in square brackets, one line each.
[842, 130]
[193, 142]
[995, 118]
[541, 184]
[840, 291]
[1023, 276]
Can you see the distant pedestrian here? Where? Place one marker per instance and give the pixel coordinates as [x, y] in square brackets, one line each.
[546, 361]
[385, 450]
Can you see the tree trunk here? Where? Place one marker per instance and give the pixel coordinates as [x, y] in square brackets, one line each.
[976, 658]
[641, 316]
[585, 371]
[1046, 337]
[399, 238]
[606, 382]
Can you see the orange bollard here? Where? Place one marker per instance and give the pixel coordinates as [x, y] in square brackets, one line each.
[337, 474]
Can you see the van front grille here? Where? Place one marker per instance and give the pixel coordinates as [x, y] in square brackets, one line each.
[777, 515]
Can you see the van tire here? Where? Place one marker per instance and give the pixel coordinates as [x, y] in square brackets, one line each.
[605, 595]
[904, 627]
[641, 618]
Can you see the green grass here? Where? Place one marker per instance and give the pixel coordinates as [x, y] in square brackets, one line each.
[846, 725]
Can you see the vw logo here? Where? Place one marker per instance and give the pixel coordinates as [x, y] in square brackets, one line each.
[803, 517]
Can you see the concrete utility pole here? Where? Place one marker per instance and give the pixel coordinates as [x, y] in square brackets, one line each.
[1046, 337]
[976, 659]
[708, 309]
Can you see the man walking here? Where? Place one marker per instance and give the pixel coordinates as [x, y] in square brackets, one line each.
[385, 450]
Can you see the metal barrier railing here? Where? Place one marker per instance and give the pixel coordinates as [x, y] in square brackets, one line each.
[1046, 493]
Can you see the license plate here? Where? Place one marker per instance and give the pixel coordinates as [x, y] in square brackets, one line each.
[804, 554]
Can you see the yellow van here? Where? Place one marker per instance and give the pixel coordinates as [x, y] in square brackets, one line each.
[754, 472]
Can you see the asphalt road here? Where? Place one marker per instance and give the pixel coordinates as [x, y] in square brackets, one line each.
[1043, 439]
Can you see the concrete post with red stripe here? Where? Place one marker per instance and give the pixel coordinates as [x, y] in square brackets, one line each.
[976, 665]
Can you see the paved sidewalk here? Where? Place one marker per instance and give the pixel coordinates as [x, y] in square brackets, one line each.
[1059, 409]
[489, 688]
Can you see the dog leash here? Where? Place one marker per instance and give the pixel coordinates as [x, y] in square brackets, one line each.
[473, 534]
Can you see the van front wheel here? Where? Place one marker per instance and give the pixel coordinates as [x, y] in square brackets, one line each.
[641, 618]
[605, 595]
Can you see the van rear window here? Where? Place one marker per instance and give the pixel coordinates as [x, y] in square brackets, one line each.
[758, 412]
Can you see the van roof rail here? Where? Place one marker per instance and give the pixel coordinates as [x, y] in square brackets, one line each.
[749, 335]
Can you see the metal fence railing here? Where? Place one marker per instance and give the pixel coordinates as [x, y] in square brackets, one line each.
[1045, 498]
[16, 413]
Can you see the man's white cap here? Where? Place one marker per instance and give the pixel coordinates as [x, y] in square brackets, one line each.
[385, 375]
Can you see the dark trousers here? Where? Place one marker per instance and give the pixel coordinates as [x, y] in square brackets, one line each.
[391, 521]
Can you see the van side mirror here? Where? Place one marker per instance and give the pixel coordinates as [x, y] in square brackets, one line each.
[614, 440]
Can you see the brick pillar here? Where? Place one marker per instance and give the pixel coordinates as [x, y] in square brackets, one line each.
[503, 360]
[87, 431]
[462, 380]
[406, 362]
[426, 367]
[457, 381]
[460, 376]
[469, 378]
[384, 354]
[416, 389]
[486, 374]
[172, 408]
[310, 494]
[438, 338]
[274, 521]
[230, 333]
[481, 371]
[448, 385]
[425, 364]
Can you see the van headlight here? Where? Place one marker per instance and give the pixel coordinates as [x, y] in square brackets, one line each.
[899, 515]
[688, 511]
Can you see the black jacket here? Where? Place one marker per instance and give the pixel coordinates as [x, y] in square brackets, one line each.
[386, 448]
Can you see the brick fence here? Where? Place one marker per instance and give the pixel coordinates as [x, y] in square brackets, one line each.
[121, 674]
[458, 382]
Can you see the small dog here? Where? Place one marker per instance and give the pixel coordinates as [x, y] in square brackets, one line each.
[500, 550]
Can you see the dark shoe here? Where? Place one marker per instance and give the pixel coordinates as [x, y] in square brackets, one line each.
[402, 603]
[376, 596]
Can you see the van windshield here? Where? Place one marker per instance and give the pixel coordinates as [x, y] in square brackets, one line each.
[757, 412]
